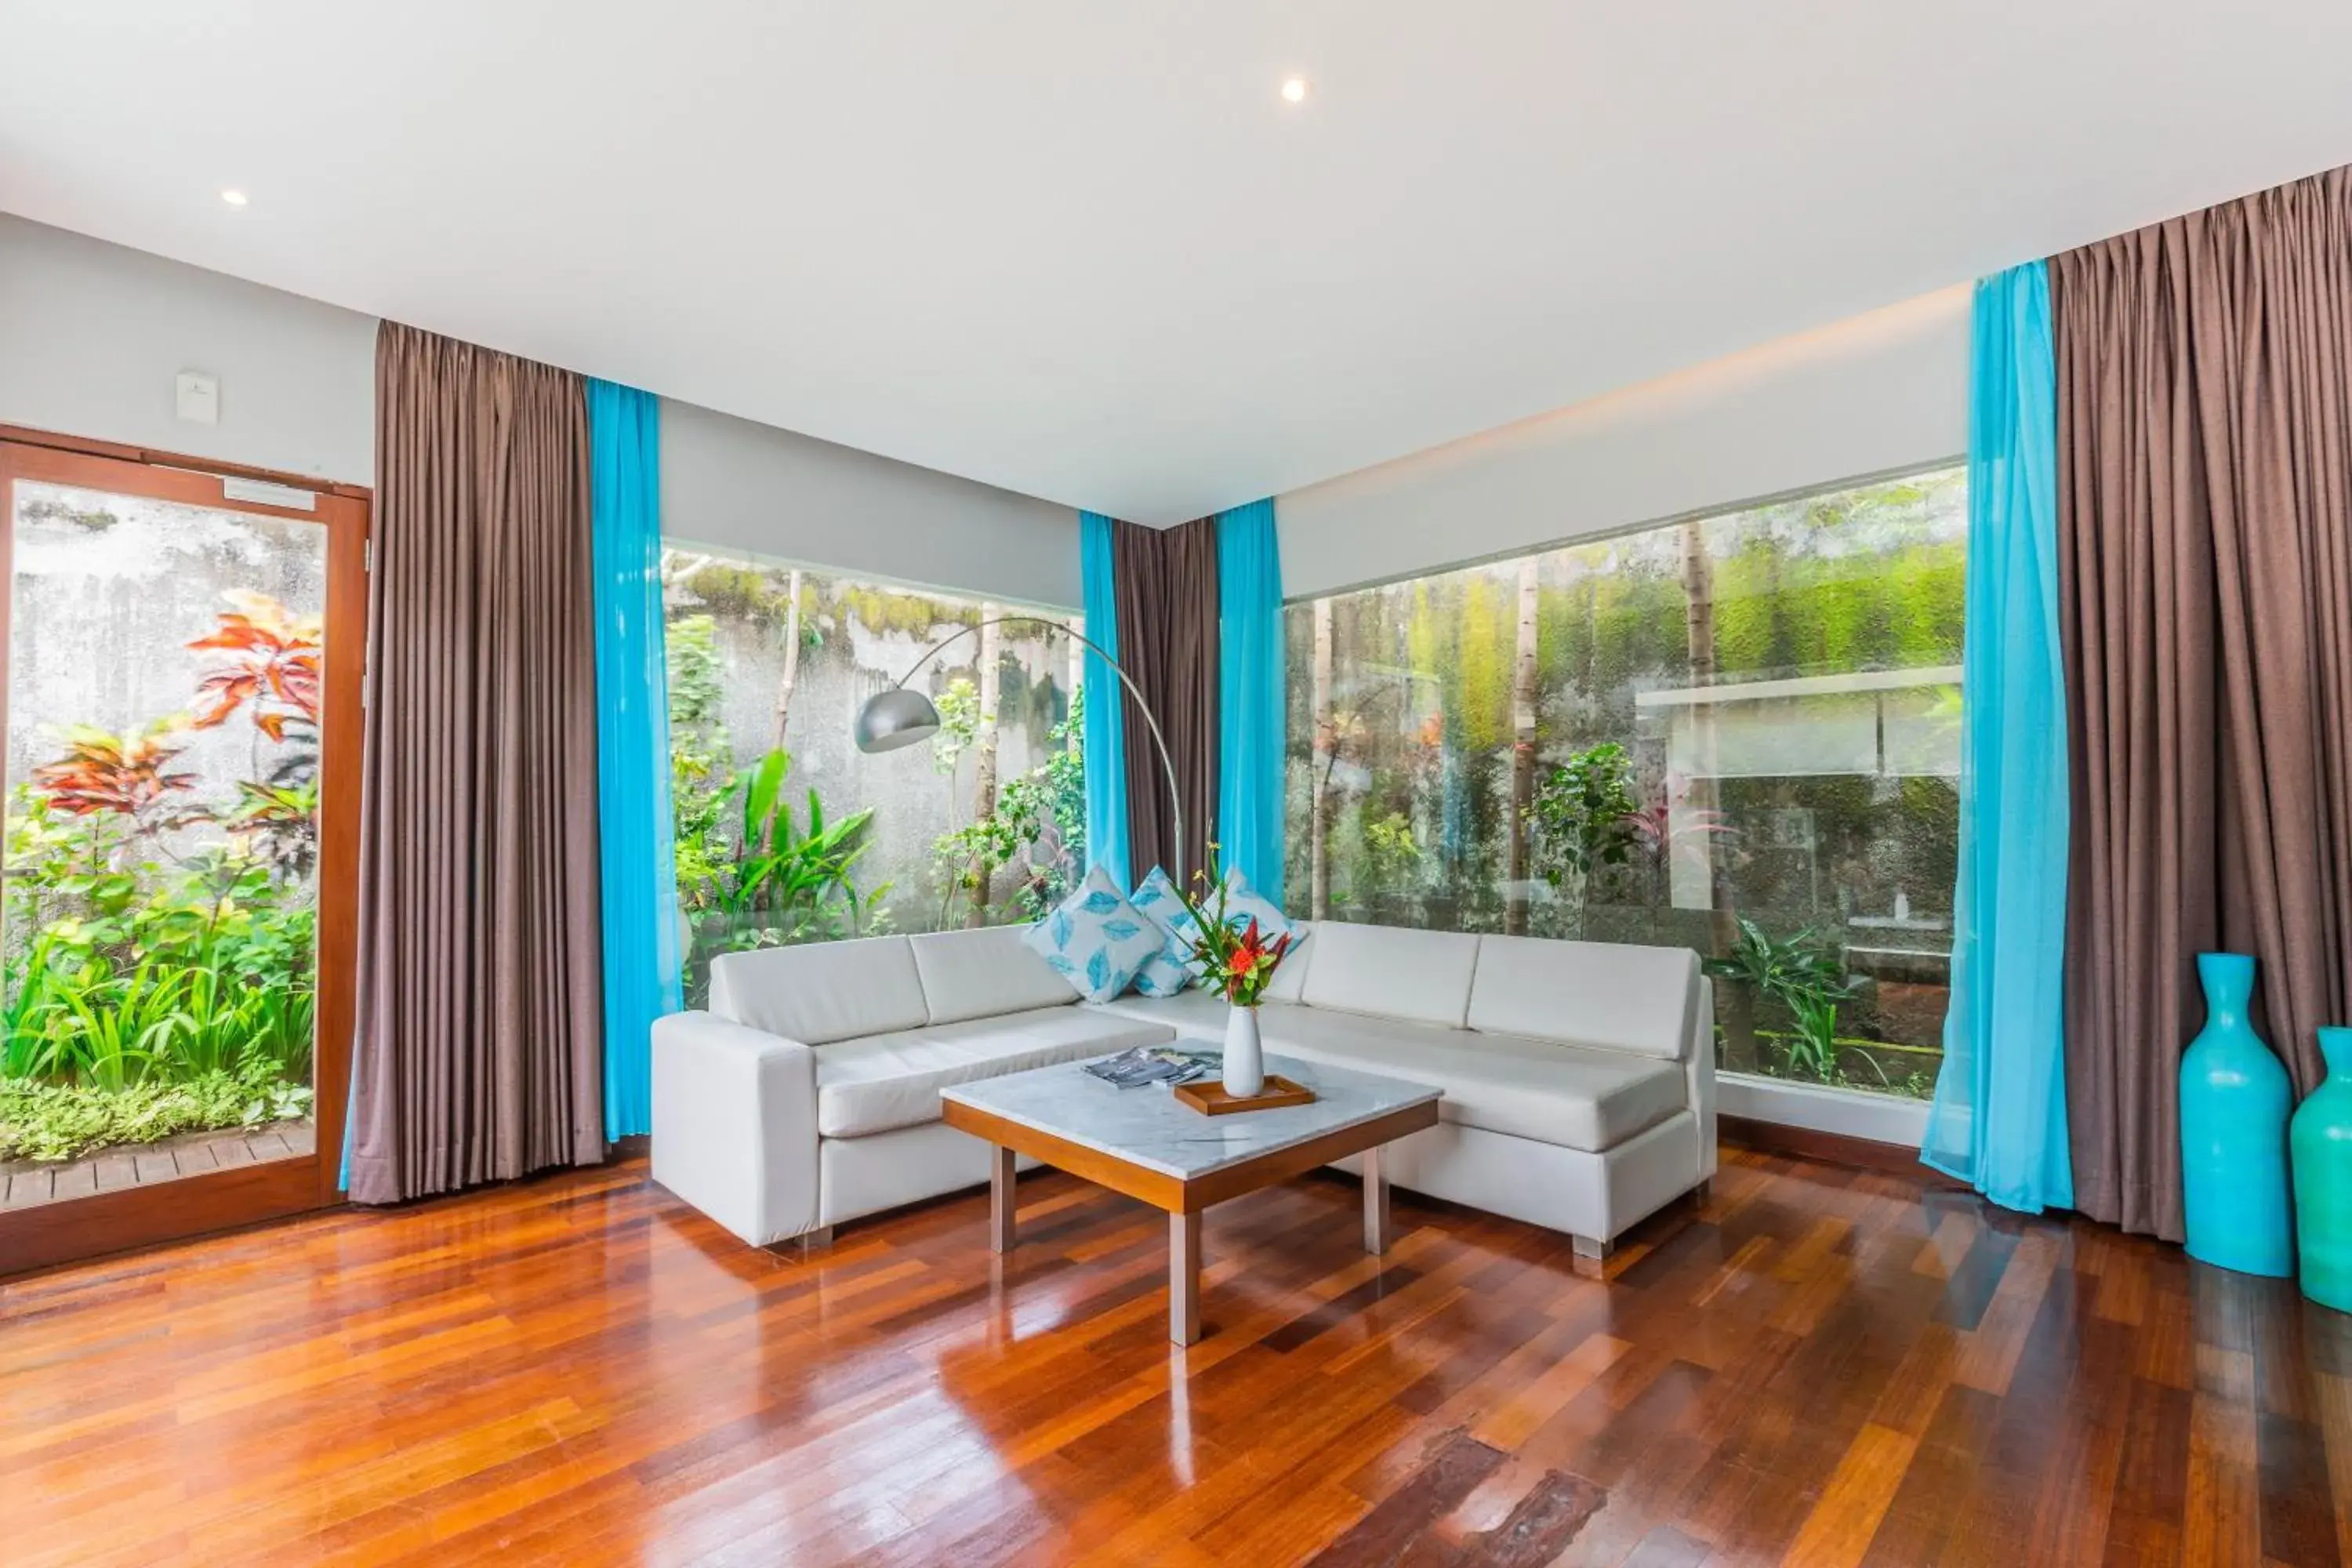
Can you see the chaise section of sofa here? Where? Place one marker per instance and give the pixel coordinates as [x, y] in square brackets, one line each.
[1579, 1076]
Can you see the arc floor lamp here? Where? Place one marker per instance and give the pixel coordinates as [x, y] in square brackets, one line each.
[900, 716]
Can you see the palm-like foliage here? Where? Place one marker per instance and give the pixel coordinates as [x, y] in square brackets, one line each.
[780, 868]
[107, 1033]
[1804, 974]
[780, 880]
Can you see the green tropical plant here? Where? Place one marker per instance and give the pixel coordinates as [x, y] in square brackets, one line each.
[1039, 825]
[1803, 974]
[763, 877]
[60, 1122]
[278, 824]
[107, 1029]
[1580, 813]
[1391, 855]
[150, 985]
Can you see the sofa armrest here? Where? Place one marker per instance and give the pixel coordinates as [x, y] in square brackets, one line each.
[1700, 1070]
[735, 1124]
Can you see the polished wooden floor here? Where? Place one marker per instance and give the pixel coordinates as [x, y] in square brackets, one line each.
[1817, 1366]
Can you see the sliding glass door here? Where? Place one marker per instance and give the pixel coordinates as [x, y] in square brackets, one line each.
[181, 690]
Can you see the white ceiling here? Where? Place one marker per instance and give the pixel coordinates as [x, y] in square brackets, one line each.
[1081, 248]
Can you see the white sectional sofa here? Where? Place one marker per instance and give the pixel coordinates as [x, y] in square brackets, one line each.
[1578, 1078]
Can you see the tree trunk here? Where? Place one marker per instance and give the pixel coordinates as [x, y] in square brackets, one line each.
[784, 697]
[1523, 755]
[1699, 795]
[1077, 679]
[676, 566]
[791, 662]
[983, 789]
[1319, 772]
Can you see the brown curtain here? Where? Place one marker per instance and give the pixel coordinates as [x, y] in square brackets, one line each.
[1166, 594]
[2204, 498]
[479, 1049]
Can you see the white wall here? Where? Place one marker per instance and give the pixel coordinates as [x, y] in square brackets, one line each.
[734, 483]
[1866, 395]
[92, 335]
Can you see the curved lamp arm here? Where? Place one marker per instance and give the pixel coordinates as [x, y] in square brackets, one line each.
[1151, 720]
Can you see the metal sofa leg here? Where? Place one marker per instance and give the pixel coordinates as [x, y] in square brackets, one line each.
[806, 1242]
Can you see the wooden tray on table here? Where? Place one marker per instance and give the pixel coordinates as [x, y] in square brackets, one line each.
[1208, 1095]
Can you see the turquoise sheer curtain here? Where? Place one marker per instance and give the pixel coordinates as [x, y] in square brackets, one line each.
[1250, 696]
[1106, 734]
[1999, 1117]
[641, 956]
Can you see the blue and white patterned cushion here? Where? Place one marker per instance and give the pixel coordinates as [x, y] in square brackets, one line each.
[1243, 902]
[1095, 939]
[1170, 971]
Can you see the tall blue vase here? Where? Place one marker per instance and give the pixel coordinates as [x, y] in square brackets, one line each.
[2235, 1099]
[2322, 1142]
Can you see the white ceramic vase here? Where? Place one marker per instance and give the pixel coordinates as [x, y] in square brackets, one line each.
[1245, 1062]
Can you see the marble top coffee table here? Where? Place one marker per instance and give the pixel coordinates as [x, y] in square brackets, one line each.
[1144, 1144]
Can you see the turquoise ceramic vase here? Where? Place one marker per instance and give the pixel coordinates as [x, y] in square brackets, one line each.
[2235, 1099]
[2322, 1142]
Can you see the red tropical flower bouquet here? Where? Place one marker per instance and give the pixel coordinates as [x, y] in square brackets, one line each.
[1236, 960]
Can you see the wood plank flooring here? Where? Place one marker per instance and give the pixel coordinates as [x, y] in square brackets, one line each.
[1817, 1366]
[27, 1183]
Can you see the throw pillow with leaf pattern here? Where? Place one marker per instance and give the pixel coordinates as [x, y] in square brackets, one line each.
[1173, 969]
[1170, 971]
[1095, 939]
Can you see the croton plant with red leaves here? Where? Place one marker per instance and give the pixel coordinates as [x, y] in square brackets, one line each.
[274, 660]
[128, 775]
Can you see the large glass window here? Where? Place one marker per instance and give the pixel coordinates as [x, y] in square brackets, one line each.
[786, 832]
[1737, 733]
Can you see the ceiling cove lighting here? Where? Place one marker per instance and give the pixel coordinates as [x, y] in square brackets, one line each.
[234, 198]
[1293, 89]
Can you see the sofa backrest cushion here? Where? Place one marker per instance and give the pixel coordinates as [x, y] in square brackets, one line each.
[822, 992]
[1289, 981]
[982, 973]
[1616, 997]
[1390, 971]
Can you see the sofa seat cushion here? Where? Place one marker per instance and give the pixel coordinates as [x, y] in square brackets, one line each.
[881, 1082]
[1562, 1095]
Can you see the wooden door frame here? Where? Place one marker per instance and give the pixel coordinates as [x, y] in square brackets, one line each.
[73, 1228]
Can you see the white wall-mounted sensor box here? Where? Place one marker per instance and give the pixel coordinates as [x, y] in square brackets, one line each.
[199, 397]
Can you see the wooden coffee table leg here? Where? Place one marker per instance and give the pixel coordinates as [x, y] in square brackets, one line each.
[1378, 1232]
[1000, 1199]
[1184, 1279]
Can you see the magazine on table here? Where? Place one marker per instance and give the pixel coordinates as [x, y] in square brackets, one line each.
[1142, 1065]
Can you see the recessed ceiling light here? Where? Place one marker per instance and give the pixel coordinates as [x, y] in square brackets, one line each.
[234, 198]
[1294, 90]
